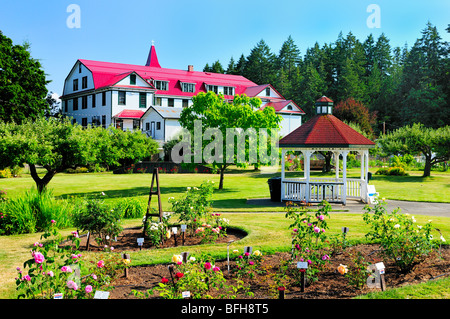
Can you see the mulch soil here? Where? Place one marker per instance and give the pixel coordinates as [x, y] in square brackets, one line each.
[330, 285]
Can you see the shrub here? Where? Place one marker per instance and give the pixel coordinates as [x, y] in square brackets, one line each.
[5, 173]
[401, 240]
[59, 269]
[99, 220]
[308, 236]
[194, 206]
[398, 171]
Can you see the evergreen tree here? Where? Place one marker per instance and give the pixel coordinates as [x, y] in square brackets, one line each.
[260, 64]
[231, 69]
[289, 57]
[22, 83]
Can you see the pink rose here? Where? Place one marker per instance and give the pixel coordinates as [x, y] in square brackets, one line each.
[208, 266]
[321, 217]
[216, 268]
[101, 264]
[72, 285]
[38, 258]
[26, 277]
[316, 229]
[88, 289]
[66, 269]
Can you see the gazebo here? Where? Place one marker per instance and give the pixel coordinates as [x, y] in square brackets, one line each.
[325, 132]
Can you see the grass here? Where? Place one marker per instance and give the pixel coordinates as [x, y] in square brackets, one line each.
[239, 185]
[433, 289]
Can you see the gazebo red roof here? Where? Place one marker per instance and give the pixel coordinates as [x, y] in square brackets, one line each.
[325, 130]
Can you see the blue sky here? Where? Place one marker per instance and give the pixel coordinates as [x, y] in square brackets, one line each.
[201, 31]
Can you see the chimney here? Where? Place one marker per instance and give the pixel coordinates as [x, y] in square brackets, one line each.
[190, 68]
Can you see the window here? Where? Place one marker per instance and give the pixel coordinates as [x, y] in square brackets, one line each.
[75, 104]
[157, 101]
[228, 90]
[119, 124]
[122, 97]
[84, 122]
[84, 82]
[103, 98]
[161, 85]
[158, 125]
[93, 100]
[185, 102]
[170, 102]
[132, 79]
[84, 102]
[75, 85]
[143, 100]
[147, 126]
[65, 106]
[79, 67]
[267, 91]
[213, 88]
[104, 121]
[136, 124]
[96, 120]
[289, 107]
[188, 87]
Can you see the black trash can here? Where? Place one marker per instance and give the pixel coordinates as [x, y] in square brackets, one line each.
[275, 188]
[369, 176]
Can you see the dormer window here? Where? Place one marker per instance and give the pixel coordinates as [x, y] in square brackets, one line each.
[289, 107]
[188, 87]
[228, 90]
[161, 85]
[213, 88]
[132, 79]
[267, 91]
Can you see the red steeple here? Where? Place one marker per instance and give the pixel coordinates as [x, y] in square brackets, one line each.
[152, 59]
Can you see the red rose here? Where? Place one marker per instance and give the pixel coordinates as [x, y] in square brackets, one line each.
[179, 275]
[164, 280]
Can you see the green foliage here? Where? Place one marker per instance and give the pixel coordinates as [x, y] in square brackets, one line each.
[433, 144]
[401, 240]
[357, 272]
[58, 145]
[34, 212]
[22, 83]
[194, 206]
[61, 269]
[397, 171]
[100, 220]
[130, 208]
[309, 236]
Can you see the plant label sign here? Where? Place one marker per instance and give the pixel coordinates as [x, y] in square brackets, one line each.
[248, 249]
[376, 278]
[345, 230]
[174, 230]
[101, 294]
[186, 294]
[58, 296]
[140, 241]
[183, 228]
[380, 267]
[302, 265]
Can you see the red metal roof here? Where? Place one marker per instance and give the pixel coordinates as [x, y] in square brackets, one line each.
[279, 105]
[324, 130]
[129, 114]
[107, 74]
[324, 99]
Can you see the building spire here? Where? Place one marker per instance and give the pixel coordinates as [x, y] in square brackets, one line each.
[152, 59]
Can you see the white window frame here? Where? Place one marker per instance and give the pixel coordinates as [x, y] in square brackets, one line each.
[161, 85]
[188, 87]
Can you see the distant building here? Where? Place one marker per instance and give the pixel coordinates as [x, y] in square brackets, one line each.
[150, 98]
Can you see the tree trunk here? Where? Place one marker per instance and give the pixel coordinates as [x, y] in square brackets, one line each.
[427, 169]
[41, 183]
[222, 170]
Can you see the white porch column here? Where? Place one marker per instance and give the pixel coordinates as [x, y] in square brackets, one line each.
[306, 166]
[344, 176]
[363, 182]
[336, 164]
[283, 155]
[367, 176]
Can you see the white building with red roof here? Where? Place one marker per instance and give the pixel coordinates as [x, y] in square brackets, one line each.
[150, 98]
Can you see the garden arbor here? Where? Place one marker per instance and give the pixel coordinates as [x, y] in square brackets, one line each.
[325, 132]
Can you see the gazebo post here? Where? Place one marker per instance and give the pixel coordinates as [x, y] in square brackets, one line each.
[344, 176]
[283, 155]
[366, 177]
[336, 164]
[307, 173]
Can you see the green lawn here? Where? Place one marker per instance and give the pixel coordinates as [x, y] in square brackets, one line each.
[239, 185]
